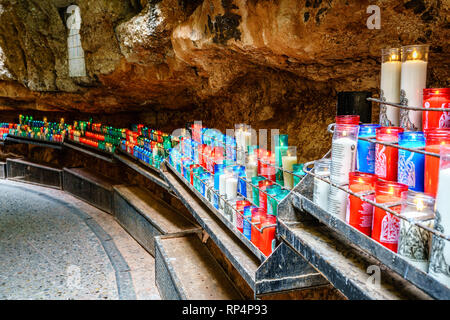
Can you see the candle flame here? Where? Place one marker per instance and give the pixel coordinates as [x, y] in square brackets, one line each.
[414, 55]
[419, 205]
[391, 190]
[394, 57]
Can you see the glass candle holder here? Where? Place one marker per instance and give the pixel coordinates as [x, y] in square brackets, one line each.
[262, 185]
[435, 138]
[205, 181]
[414, 243]
[385, 226]
[440, 250]
[231, 184]
[390, 86]
[240, 205]
[347, 119]
[436, 98]
[272, 204]
[343, 152]
[268, 169]
[321, 188]
[360, 213]
[288, 161]
[386, 158]
[255, 190]
[219, 171]
[343, 161]
[365, 152]
[258, 214]
[298, 172]
[413, 81]
[281, 148]
[411, 165]
[267, 241]
[247, 227]
[251, 170]
[273, 191]
[259, 155]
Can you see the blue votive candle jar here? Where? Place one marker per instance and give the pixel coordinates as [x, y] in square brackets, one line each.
[411, 165]
[365, 153]
[218, 171]
[247, 227]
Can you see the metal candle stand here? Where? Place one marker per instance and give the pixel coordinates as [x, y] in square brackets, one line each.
[298, 212]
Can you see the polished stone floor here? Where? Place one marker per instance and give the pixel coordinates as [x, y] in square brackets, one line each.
[54, 246]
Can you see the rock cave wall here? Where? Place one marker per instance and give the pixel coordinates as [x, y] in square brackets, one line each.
[272, 64]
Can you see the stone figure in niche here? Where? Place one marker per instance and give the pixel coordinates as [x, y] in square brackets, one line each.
[77, 66]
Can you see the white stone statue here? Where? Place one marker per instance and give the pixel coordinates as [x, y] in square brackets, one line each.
[77, 66]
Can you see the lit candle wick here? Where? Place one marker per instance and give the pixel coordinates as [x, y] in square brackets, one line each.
[414, 55]
[419, 205]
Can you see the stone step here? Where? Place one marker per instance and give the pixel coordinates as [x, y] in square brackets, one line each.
[91, 187]
[145, 217]
[186, 270]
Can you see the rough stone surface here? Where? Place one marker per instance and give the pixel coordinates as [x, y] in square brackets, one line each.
[272, 64]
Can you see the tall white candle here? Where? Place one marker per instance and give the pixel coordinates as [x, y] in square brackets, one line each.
[343, 159]
[320, 195]
[440, 251]
[231, 187]
[222, 189]
[337, 202]
[321, 188]
[390, 91]
[413, 81]
[288, 164]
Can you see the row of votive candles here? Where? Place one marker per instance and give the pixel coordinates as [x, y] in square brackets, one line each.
[226, 188]
[39, 133]
[400, 236]
[417, 170]
[4, 129]
[280, 167]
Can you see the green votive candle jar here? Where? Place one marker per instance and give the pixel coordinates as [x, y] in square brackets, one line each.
[272, 191]
[255, 190]
[274, 204]
[298, 171]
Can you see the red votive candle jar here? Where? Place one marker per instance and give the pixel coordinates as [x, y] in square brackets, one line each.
[434, 139]
[348, 119]
[267, 241]
[386, 158]
[258, 215]
[216, 157]
[262, 155]
[191, 168]
[386, 227]
[360, 212]
[268, 169]
[436, 98]
[240, 205]
[262, 185]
